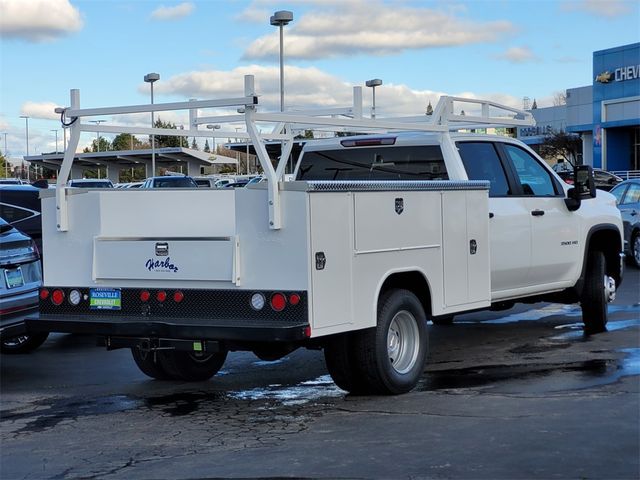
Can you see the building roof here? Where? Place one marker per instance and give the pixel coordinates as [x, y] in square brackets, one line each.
[129, 158]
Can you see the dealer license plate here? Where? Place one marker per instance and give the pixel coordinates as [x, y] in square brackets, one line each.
[105, 299]
[14, 277]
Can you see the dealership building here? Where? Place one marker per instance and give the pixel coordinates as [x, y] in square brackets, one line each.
[606, 114]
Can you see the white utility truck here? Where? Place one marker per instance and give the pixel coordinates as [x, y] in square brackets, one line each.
[414, 219]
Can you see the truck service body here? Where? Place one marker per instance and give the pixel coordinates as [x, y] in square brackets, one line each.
[377, 234]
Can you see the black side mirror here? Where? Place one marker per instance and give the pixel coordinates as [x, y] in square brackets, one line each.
[584, 186]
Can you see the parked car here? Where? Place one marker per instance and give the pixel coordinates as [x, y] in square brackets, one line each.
[223, 181]
[206, 182]
[256, 180]
[627, 196]
[90, 183]
[20, 207]
[238, 184]
[170, 181]
[13, 181]
[21, 278]
[603, 179]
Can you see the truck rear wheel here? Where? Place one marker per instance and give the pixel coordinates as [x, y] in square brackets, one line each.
[23, 343]
[338, 355]
[191, 366]
[391, 357]
[148, 363]
[599, 290]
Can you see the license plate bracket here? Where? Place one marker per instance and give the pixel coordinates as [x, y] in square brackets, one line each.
[14, 277]
[105, 299]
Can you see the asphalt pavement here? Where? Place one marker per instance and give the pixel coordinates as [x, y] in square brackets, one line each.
[515, 394]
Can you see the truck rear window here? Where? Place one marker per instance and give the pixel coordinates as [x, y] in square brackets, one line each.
[374, 163]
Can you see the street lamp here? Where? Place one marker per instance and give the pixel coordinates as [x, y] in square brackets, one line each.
[150, 78]
[213, 145]
[56, 130]
[376, 82]
[280, 19]
[6, 156]
[97, 122]
[26, 121]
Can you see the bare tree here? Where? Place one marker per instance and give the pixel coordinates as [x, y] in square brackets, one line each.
[559, 98]
[561, 144]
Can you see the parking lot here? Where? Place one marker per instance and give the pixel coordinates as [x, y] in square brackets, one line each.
[514, 394]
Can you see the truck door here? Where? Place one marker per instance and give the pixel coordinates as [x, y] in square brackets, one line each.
[509, 220]
[555, 231]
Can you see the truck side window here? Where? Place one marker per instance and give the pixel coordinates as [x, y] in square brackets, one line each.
[374, 163]
[533, 177]
[481, 161]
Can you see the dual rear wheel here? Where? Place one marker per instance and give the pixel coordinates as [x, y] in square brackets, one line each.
[387, 359]
[178, 365]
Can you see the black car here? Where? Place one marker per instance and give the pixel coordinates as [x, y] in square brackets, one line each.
[20, 206]
[627, 196]
[603, 179]
[20, 281]
[170, 181]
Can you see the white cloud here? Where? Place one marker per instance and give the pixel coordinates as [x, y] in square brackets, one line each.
[306, 88]
[38, 20]
[601, 8]
[374, 28]
[172, 13]
[518, 55]
[43, 110]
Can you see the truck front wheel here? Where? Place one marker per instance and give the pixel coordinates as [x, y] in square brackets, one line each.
[191, 366]
[599, 290]
[391, 356]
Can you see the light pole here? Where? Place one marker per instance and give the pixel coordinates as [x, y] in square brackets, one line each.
[376, 82]
[150, 78]
[6, 157]
[97, 122]
[213, 145]
[280, 19]
[56, 130]
[26, 122]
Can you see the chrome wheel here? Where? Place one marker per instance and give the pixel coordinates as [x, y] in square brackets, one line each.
[16, 342]
[609, 289]
[635, 249]
[403, 342]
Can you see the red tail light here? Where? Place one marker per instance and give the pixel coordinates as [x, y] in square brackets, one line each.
[294, 299]
[161, 296]
[278, 302]
[145, 296]
[178, 297]
[57, 297]
[44, 294]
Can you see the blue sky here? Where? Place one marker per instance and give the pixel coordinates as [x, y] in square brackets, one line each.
[498, 49]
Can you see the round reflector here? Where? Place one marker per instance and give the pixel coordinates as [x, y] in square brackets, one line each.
[44, 294]
[57, 297]
[161, 296]
[74, 297]
[294, 299]
[278, 302]
[257, 301]
[178, 296]
[145, 296]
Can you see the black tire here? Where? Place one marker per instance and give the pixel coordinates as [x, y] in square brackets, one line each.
[338, 355]
[444, 320]
[189, 366]
[23, 343]
[595, 298]
[149, 364]
[391, 356]
[634, 258]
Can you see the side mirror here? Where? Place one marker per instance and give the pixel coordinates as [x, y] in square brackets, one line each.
[584, 187]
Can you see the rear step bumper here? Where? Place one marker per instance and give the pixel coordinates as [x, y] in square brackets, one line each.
[176, 328]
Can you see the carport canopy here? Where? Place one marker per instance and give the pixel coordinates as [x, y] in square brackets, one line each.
[117, 160]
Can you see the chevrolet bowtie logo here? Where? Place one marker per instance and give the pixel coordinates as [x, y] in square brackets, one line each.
[604, 77]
